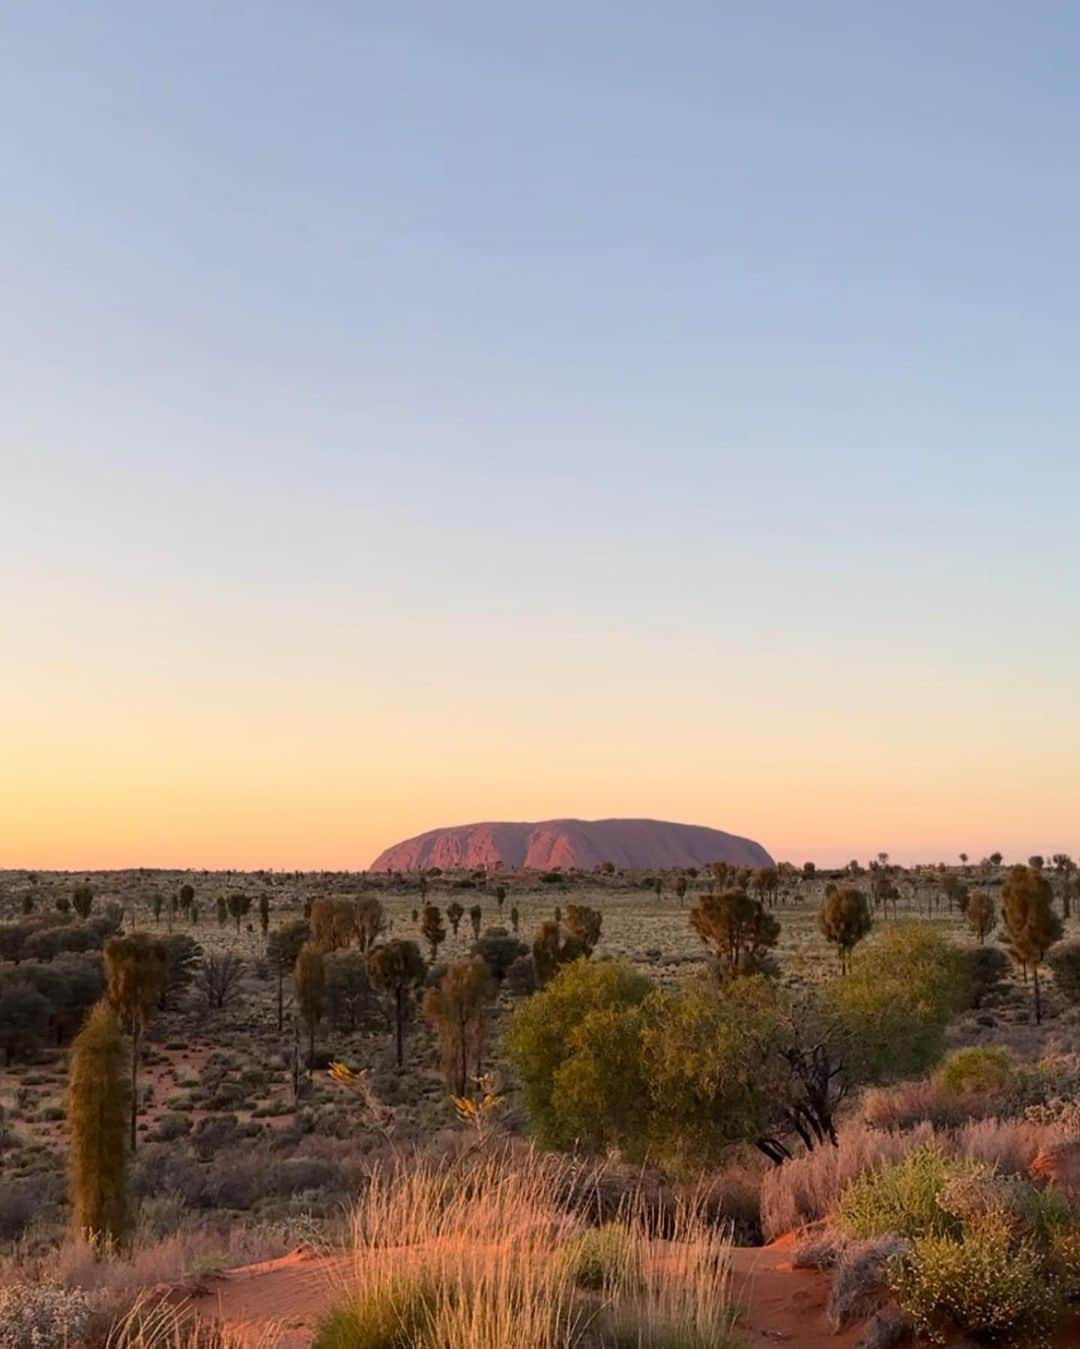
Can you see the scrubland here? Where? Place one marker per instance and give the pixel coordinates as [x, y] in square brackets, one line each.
[615, 1113]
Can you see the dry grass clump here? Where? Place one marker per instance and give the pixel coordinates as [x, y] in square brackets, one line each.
[486, 1253]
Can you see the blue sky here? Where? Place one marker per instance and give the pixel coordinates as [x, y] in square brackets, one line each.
[565, 387]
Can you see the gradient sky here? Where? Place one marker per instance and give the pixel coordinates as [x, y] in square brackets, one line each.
[415, 414]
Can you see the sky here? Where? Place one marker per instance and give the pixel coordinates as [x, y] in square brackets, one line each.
[416, 414]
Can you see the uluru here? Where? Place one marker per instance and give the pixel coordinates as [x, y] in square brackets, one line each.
[571, 845]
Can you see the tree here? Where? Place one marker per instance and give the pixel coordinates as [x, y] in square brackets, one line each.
[582, 1029]
[239, 905]
[680, 888]
[220, 977]
[765, 883]
[455, 913]
[891, 1011]
[500, 897]
[186, 896]
[348, 988]
[980, 914]
[264, 913]
[82, 899]
[584, 925]
[844, 920]
[136, 968]
[1030, 921]
[476, 915]
[455, 1009]
[309, 976]
[98, 1105]
[736, 929]
[182, 956]
[432, 929]
[370, 922]
[157, 899]
[1065, 867]
[283, 946]
[499, 950]
[397, 967]
[222, 911]
[515, 918]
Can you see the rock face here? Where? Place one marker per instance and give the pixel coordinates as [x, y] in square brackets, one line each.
[566, 844]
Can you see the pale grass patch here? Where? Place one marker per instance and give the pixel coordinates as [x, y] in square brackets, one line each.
[484, 1247]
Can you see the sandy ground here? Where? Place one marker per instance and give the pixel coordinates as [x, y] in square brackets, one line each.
[280, 1301]
[277, 1304]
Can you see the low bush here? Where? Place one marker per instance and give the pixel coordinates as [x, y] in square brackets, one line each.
[981, 1284]
[901, 1199]
[979, 1071]
[603, 1258]
[42, 1316]
[1064, 960]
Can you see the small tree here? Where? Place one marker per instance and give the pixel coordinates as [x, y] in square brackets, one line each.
[370, 922]
[309, 976]
[980, 914]
[397, 968]
[515, 918]
[157, 901]
[186, 897]
[499, 950]
[455, 913]
[239, 906]
[348, 988]
[264, 913]
[584, 924]
[432, 929]
[500, 897]
[222, 911]
[1030, 921]
[82, 899]
[456, 1011]
[136, 969]
[844, 920]
[98, 1105]
[283, 946]
[220, 977]
[736, 929]
[476, 915]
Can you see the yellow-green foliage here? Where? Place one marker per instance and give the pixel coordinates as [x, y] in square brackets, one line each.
[901, 1199]
[983, 1285]
[980, 1070]
[604, 1257]
[99, 1098]
[895, 1003]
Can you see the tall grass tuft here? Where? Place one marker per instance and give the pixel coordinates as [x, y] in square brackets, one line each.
[487, 1253]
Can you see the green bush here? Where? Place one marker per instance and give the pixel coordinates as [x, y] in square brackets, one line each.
[575, 1047]
[901, 1199]
[603, 1258]
[392, 1317]
[892, 1009]
[1064, 960]
[982, 1285]
[978, 1071]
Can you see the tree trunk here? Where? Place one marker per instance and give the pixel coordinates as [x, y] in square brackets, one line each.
[1038, 1000]
[134, 1078]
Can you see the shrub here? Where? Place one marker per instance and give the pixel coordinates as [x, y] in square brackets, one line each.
[42, 1316]
[390, 1316]
[982, 1285]
[1064, 960]
[583, 1026]
[901, 1199]
[603, 1258]
[987, 967]
[977, 1070]
[892, 1008]
[860, 1279]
